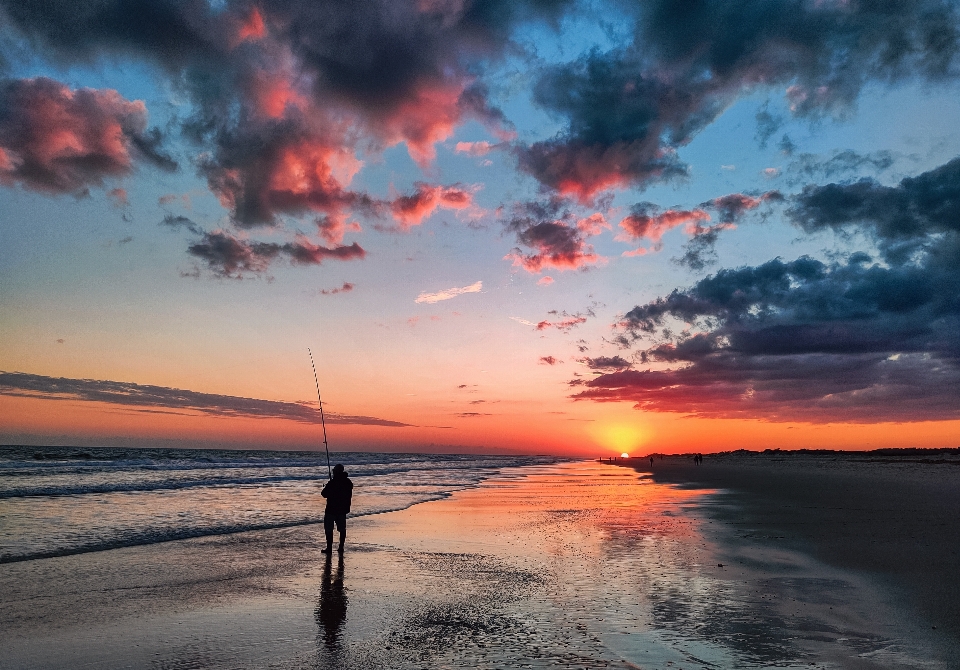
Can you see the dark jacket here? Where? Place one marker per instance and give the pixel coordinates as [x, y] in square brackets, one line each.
[338, 492]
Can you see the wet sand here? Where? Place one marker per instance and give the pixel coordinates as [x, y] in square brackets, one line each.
[892, 517]
[571, 566]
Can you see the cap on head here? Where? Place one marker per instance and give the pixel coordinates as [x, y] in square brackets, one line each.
[338, 468]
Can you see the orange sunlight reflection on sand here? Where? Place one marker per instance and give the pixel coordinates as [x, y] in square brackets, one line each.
[585, 496]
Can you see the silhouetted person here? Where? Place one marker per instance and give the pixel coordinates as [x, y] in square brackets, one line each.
[331, 612]
[339, 493]
[651, 461]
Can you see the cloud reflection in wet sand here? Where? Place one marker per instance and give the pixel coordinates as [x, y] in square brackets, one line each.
[584, 565]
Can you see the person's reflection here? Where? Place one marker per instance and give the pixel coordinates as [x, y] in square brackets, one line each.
[332, 609]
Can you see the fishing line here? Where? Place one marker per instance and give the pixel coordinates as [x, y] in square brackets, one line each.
[322, 422]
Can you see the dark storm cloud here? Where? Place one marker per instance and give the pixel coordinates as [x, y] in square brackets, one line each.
[549, 228]
[180, 221]
[149, 145]
[233, 257]
[617, 117]
[229, 256]
[700, 250]
[57, 140]
[629, 109]
[767, 124]
[807, 167]
[285, 90]
[851, 340]
[730, 210]
[145, 398]
[607, 363]
[346, 288]
[914, 209]
[802, 340]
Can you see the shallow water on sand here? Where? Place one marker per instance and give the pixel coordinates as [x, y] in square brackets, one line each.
[576, 565]
[584, 565]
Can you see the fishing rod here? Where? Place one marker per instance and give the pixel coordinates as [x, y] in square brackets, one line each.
[322, 423]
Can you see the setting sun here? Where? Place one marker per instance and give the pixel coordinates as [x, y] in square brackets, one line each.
[621, 437]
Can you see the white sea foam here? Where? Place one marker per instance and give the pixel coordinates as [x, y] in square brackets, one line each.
[62, 501]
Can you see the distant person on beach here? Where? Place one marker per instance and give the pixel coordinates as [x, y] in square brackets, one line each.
[339, 493]
[651, 461]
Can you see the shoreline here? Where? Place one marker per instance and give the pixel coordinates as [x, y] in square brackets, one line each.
[574, 565]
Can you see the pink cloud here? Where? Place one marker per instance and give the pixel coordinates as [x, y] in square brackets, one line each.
[474, 148]
[556, 245]
[57, 140]
[270, 93]
[411, 210]
[651, 226]
[253, 28]
[332, 227]
[593, 224]
[426, 116]
[563, 324]
[298, 174]
[119, 197]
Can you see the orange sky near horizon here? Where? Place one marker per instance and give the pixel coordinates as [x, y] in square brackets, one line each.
[611, 432]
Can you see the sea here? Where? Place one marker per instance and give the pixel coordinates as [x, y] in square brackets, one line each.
[59, 501]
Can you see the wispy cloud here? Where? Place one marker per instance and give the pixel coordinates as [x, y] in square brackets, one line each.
[431, 298]
[346, 288]
[565, 323]
[142, 397]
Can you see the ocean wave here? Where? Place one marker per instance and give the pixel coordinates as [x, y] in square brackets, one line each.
[434, 478]
[159, 536]
[64, 501]
[133, 487]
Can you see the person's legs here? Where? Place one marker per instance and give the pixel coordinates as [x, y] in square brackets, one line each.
[328, 520]
[342, 528]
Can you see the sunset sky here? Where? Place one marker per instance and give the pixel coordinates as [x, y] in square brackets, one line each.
[501, 225]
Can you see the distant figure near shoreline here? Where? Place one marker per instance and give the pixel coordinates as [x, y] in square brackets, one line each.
[339, 493]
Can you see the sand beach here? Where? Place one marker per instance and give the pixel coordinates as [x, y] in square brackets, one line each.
[573, 565]
[893, 515]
